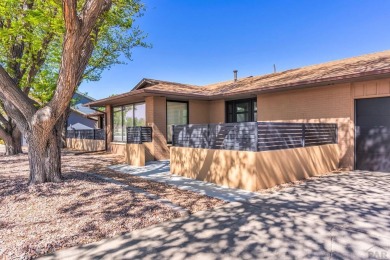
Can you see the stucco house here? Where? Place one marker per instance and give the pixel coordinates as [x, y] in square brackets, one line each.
[353, 93]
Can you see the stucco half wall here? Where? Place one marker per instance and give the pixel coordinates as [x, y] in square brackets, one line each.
[86, 144]
[133, 154]
[254, 170]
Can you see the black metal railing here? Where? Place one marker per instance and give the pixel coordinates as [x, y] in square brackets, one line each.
[93, 134]
[254, 136]
[139, 134]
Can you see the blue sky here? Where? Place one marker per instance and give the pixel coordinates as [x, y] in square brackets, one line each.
[203, 41]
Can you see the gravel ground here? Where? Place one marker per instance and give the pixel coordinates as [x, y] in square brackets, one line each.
[43, 218]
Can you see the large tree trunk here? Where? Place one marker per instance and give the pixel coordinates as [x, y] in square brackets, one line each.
[45, 155]
[13, 144]
[45, 159]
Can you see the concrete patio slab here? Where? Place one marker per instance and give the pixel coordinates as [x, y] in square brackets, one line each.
[345, 216]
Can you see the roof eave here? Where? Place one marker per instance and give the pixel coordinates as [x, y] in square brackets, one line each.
[104, 101]
[311, 83]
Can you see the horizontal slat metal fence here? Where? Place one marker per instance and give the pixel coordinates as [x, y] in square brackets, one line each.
[233, 136]
[253, 136]
[139, 134]
[274, 136]
[92, 134]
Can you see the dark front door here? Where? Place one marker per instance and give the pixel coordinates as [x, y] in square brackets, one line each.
[373, 134]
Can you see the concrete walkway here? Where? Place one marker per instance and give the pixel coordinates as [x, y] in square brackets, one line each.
[345, 216]
[159, 171]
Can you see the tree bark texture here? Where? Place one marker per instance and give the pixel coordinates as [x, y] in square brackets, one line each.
[11, 136]
[13, 144]
[62, 133]
[45, 159]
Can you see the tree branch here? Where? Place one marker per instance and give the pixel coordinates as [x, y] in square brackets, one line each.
[10, 93]
[77, 49]
[101, 60]
[4, 121]
[17, 117]
[72, 22]
[92, 9]
[38, 61]
[16, 51]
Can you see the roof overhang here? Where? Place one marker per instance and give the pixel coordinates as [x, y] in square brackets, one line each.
[364, 76]
[140, 95]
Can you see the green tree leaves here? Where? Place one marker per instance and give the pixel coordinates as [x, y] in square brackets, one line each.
[31, 34]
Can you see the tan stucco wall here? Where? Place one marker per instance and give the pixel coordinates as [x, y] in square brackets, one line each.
[156, 117]
[199, 112]
[254, 170]
[108, 122]
[331, 104]
[371, 89]
[149, 101]
[85, 144]
[117, 148]
[328, 104]
[135, 154]
[217, 112]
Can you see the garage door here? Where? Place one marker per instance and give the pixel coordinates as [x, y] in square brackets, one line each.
[373, 134]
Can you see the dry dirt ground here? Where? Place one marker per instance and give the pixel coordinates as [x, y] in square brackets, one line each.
[47, 217]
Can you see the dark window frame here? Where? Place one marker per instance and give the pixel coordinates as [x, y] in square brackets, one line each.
[166, 115]
[122, 116]
[234, 112]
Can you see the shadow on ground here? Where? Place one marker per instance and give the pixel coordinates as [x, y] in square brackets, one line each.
[159, 171]
[339, 216]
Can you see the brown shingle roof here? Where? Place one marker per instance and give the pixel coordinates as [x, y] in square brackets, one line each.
[370, 64]
[320, 74]
[147, 83]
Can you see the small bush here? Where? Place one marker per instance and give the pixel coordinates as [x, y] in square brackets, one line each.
[1, 141]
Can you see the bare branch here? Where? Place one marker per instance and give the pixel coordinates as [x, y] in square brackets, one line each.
[91, 12]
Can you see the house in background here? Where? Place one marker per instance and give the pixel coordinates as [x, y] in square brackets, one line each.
[81, 117]
[352, 93]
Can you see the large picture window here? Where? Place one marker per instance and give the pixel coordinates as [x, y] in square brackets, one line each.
[177, 114]
[127, 116]
[244, 110]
